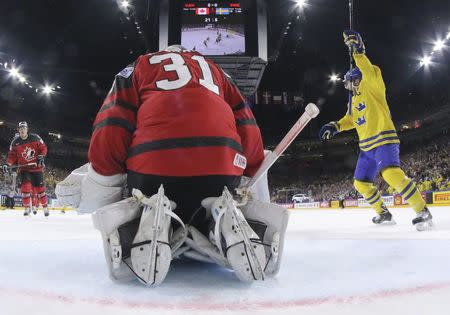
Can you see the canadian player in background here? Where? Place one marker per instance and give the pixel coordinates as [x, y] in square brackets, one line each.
[368, 113]
[27, 154]
[176, 128]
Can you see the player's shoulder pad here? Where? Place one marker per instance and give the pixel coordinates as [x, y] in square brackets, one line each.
[128, 70]
[14, 140]
[35, 137]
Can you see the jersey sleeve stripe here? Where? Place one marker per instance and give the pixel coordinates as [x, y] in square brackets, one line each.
[239, 107]
[246, 122]
[119, 103]
[115, 122]
[177, 143]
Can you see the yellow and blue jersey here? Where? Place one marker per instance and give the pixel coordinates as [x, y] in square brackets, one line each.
[368, 111]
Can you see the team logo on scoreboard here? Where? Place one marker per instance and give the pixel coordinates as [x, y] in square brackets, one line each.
[202, 11]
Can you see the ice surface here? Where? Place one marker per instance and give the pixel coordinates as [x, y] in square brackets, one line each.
[335, 262]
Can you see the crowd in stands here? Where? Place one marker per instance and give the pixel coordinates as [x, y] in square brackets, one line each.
[428, 165]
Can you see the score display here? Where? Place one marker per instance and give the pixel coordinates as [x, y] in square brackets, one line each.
[213, 27]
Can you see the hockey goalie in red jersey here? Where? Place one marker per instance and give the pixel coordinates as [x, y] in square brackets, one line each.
[26, 156]
[175, 128]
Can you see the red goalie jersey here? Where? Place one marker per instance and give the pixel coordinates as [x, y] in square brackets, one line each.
[175, 114]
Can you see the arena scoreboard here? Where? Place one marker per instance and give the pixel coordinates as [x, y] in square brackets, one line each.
[213, 27]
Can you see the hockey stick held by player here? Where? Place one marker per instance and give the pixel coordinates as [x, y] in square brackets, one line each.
[26, 156]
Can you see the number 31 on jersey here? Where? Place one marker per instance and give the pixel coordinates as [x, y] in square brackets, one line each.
[184, 74]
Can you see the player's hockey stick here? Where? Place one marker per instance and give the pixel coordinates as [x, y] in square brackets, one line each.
[311, 111]
[350, 17]
[13, 167]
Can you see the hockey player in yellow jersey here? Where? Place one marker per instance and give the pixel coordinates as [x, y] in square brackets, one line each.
[368, 113]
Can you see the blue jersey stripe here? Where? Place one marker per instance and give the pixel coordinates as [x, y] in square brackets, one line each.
[378, 135]
[381, 140]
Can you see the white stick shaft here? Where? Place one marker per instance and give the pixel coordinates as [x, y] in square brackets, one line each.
[281, 147]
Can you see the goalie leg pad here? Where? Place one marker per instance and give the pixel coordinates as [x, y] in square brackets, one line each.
[110, 221]
[270, 222]
[235, 239]
[151, 252]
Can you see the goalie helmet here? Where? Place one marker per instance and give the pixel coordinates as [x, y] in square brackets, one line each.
[22, 124]
[176, 48]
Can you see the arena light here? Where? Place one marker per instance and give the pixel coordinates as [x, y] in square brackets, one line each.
[425, 61]
[47, 90]
[301, 3]
[448, 35]
[14, 72]
[125, 4]
[22, 78]
[56, 135]
[438, 45]
[334, 78]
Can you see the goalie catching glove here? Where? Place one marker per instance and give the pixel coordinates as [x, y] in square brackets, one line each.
[87, 190]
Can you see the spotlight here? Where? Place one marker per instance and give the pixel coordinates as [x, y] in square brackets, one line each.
[47, 90]
[301, 3]
[425, 61]
[438, 45]
[334, 78]
[22, 78]
[125, 4]
[14, 72]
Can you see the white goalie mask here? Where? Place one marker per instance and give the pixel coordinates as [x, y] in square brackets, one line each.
[176, 48]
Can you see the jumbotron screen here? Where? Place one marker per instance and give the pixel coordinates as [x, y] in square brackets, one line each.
[213, 27]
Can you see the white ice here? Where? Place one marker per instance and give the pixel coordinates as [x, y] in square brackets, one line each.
[194, 40]
[335, 262]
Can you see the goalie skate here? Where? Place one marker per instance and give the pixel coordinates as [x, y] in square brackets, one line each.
[151, 252]
[243, 248]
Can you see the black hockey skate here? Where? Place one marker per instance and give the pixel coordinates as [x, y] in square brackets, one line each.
[384, 218]
[424, 220]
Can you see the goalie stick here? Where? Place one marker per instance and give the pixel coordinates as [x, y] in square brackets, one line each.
[311, 112]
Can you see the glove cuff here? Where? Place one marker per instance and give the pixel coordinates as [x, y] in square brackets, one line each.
[117, 180]
[337, 125]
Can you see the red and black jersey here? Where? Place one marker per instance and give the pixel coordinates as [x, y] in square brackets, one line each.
[175, 114]
[25, 151]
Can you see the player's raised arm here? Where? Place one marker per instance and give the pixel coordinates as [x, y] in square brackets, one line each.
[247, 128]
[114, 125]
[354, 42]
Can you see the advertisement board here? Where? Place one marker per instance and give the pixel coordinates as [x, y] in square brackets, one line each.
[388, 201]
[306, 205]
[325, 204]
[351, 203]
[441, 197]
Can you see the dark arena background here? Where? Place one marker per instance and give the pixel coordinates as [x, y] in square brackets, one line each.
[58, 60]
